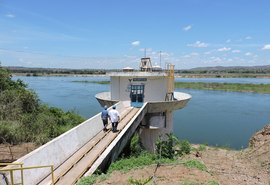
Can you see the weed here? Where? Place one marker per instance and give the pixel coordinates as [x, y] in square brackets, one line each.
[195, 164]
[185, 147]
[132, 162]
[186, 182]
[212, 182]
[133, 181]
[87, 180]
[135, 146]
[202, 147]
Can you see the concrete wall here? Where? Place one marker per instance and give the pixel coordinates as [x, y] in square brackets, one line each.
[155, 87]
[59, 149]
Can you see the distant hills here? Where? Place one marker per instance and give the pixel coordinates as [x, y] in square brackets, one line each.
[220, 68]
[217, 71]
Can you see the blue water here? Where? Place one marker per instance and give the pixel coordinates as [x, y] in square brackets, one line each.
[212, 117]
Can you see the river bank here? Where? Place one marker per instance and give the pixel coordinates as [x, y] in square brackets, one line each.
[233, 87]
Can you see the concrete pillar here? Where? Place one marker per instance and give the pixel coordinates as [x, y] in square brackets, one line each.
[156, 125]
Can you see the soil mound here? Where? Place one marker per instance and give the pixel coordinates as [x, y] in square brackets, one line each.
[259, 148]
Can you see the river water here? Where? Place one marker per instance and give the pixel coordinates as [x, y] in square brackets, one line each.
[211, 117]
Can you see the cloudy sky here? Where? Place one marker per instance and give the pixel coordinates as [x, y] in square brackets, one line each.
[115, 34]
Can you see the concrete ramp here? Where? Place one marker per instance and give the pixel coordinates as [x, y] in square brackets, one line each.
[82, 150]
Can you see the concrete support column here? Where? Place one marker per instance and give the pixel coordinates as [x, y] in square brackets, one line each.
[157, 126]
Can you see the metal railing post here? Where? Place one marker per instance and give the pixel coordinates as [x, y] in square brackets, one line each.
[11, 177]
[22, 174]
[52, 175]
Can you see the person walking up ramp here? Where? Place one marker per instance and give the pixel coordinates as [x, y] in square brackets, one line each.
[115, 118]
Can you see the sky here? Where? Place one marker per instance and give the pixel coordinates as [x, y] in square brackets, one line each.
[109, 34]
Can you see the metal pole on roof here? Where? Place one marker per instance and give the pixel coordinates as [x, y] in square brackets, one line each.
[160, 58]
[144, 52]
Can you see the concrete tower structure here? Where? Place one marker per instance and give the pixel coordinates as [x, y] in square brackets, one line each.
[152, 86]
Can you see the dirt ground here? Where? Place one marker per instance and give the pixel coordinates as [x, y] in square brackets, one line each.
[225, 167]
[9, 153]
[250, 166]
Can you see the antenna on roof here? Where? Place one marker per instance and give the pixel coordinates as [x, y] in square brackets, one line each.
[160, 58]
[144, 52]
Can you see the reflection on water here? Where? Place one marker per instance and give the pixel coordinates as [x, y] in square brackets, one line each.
[213, 117]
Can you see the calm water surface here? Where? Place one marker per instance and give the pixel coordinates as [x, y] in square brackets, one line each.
[212, 117]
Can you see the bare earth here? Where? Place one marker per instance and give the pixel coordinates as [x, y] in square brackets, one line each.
[9, 153]
[227, 167]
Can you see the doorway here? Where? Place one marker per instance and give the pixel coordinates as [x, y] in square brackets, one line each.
[137, 95]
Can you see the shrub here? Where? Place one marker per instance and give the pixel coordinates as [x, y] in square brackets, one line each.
[24, 119]
[185, 147]
[10, 132]
[135, 146]
[165, 146]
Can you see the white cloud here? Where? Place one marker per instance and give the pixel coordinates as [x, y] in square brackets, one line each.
[236, 51]
[194, 54]
[248, 54]
[266, 47]
[248, 37]
[187, 28]
[9, 15]
[135, 43]
[198, 44]
[224, 49]
[215, 59]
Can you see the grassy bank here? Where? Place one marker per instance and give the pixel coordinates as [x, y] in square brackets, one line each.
[237, 87]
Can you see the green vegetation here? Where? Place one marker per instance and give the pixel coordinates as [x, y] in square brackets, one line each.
[131, 180]
[258, 88]
[202, 147]
[24, 119]
[212, 182]
[170, 147]
[186, 182]
[237, 87]
[139, 158]
[195, 164]
[54, 71]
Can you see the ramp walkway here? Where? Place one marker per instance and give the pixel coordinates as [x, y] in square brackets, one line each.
[72, 159]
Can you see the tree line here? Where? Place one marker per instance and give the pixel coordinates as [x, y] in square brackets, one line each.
[23, 118]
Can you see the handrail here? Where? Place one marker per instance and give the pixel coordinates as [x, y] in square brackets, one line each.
[19, 164]
[10, 170]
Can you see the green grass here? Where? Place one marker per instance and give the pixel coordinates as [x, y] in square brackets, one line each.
[195, 164]
[237, 87]
[257, 88]
[212, 182]
[202, 147]
[145, 159]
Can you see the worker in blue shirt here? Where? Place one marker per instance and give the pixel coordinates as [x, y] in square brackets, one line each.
[104, 117]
